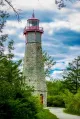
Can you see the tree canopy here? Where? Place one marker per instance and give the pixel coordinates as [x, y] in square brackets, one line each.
[72, 75]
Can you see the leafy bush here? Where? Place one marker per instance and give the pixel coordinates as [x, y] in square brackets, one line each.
[72, 102]
[20, 108]
[55, 101]
[45, 114]
[6, 91]
[23, 109]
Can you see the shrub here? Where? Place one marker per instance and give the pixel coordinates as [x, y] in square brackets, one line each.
[23, 109]
[56, 101]
[18, 104]
[72, 102]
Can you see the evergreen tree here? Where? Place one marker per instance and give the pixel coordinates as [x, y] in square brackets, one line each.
[72, 75]
[48, 63]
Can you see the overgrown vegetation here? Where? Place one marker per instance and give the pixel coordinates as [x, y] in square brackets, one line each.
[72, 102]
[55, 88]
[66, 92]
[72, 75]
[45, 114]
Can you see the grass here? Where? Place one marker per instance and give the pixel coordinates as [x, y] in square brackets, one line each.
[70, 112]
[46, 114]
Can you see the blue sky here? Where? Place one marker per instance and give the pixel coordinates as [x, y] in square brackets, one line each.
[61, 38]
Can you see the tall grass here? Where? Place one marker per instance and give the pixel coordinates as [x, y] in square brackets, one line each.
[72, 102]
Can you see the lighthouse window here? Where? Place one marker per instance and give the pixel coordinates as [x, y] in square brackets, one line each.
[30, 23]
[33, 23]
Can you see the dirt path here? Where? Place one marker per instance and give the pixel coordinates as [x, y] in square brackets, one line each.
[61, 115]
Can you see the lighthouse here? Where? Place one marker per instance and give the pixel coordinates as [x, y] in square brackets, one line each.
[33, 60]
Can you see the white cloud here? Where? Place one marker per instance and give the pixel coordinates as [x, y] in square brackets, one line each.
[15, 59]
[21, 36]
[49, 44]
[9, 31]
[6, 51]
[57, 75]
[16, 24]
[59, 65]
[76, 5]
[74, 21]
[19, 45]
[74, 48]
[19, 54]
[36, 4]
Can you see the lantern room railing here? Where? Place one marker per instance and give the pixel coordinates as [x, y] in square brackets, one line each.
[33, 28]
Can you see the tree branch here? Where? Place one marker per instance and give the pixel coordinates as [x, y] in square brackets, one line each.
[16, 12]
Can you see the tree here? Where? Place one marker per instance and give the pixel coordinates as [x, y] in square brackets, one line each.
[55, 89]
[72, 75]
[62, 4]
[48, 63]
[3, 3]
[3, 37]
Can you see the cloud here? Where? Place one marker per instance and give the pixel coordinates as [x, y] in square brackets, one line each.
[21, 36]
[18, 54]
[76, 5]
[15, 59]
[75, 48]
[57, 75]
[16, 24]
[59, 66]
[9, 31]
[36, 4]
[74, 21]
[19, 45]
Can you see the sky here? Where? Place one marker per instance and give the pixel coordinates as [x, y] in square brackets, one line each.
[61, 38]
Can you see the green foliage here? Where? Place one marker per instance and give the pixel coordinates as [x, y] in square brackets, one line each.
[72, 102]
[16, 102]
[72, 76]
[55, 89]
[24, 108]
[6, 91]
[55, 101]
[10, 48]
[20, 108]
[10, 72]
[48, 63]
[45, 114]
[60, 96]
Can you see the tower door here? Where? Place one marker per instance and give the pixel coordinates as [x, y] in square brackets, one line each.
[41, 98]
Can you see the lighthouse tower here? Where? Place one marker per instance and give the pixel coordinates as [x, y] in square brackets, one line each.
[33, 61]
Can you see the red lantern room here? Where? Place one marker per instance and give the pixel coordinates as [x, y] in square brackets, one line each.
[33, 25]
